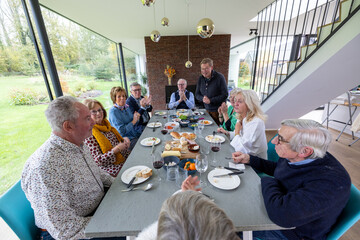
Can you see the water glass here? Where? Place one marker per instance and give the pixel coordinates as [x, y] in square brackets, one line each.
[182, 175]
[172, 173]
[200, 128]
[215, 147]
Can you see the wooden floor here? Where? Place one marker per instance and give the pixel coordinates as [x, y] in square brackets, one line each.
[348, 156]
[350, 159]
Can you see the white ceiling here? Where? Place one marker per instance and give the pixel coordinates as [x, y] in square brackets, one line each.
[128, 21]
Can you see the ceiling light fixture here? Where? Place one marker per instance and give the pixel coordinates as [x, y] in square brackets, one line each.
[155, 34]
[205, 28]
[165, 20]
[253, 30]
[188, 63]
[148, 3]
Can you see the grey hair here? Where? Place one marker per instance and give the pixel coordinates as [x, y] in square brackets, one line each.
[190, 215]
[309, 134]
[134, 84]
[182, 79]
[60, 110]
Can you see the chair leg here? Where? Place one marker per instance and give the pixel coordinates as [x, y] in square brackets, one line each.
[354, 142]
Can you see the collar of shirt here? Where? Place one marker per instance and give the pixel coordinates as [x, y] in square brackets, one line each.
[121, 107]
[306, 161]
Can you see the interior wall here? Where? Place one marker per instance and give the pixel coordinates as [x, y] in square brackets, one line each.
[173, 51]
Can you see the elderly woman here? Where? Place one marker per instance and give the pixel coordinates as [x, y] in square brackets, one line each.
[227, 115]
[190, 215]
[249, 134]
[121, 117]
[106, 145]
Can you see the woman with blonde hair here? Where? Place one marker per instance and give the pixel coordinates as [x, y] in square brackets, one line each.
[108, 148]
[249, 134]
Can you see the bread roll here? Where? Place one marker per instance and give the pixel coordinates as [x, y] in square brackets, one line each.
[167, 147]
[147, 172]
[175, 135]
[185, 135]
[176, 149]
[183, 141]
[191, 136]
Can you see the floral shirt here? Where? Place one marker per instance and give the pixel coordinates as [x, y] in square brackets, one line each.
[64, 185]
[106, 161]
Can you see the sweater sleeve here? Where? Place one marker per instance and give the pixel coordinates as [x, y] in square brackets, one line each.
[118, 121]
[222, 91]
[199, 96]
[173, 103]
[191, 101]
[263, 165]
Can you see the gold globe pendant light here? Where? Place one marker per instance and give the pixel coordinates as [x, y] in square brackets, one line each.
[155, 34]
[188, 63]
[205, 28]
[164, 20]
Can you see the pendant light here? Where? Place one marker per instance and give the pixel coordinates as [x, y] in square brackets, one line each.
[165, 20]
[155, 34]
[148, 3]
[188, 63]
[205, 28]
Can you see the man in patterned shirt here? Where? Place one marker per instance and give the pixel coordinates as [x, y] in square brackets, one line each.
[61, 180]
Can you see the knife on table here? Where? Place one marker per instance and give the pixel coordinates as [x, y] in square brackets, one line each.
[232, 169]
[229, 174]
[132, 180]
[152, 148]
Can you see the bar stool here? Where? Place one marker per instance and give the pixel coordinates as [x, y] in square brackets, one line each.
[350, 104]
[356, 126]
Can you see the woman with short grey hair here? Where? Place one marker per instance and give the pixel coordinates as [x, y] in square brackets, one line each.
[62, 110]
[310, 133]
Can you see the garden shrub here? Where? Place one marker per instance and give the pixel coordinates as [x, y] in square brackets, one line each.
[27, 96]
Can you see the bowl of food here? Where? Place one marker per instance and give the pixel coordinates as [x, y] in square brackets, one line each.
[184, 123]
[193, 147]
[189, 165]
[193, 119]
[170, 161]
[192, 126]
[170, 126]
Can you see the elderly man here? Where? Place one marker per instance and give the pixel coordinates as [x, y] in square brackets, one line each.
[61, 179]
[309, 188]
[138, 103]
[211, 89]
[182, 98]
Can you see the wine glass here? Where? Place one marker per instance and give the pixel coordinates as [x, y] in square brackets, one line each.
[158, 162]
[200, 127]
[164, 131]
[215, 147]
[201, 164]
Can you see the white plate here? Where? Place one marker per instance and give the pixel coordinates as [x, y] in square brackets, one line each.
[225, 183]
[148, 142]
[154, 124]
[130, 173]
[175, 125]
[161, 113]
[209, 138]
[198, 113]
[206, 122]
[187, 133]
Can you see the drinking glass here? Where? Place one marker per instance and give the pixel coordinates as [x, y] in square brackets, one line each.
[215, 147]
[158, 162]
[164, 131]
[201, 164]
[205, 149]
[183, 174]
[200, 127]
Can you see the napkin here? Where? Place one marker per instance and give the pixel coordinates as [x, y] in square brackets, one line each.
[239, 166]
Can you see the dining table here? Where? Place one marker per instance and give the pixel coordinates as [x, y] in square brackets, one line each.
[128, 213]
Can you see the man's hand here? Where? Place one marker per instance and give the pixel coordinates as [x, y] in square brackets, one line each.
[143, 102]
[182, 96]
[190, 183]
[148, 100]
[240, 157]
[206, 100]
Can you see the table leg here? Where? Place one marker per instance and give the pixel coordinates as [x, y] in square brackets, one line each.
[247, 235]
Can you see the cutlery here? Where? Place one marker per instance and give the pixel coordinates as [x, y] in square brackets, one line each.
[231, 169]
[229, 174]
[132, 180]
[228, 158]
[155, 126]
[145, 188]
[153, 147]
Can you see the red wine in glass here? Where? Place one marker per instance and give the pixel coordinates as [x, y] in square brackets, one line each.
[215, 149]
[158, 164]
[164, 131]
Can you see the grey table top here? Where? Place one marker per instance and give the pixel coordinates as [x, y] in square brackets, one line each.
[127, 213]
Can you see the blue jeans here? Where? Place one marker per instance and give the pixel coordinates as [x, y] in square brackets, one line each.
[45, 235]
[267, 235]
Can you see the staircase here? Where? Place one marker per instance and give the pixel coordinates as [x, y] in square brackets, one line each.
[321, 71]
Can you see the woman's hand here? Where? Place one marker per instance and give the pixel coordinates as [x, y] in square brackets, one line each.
[220, 111]
[127, 142]
[121, 146]
[221, 130]
[190, 183]
[224, 107]
[240, 157]
[136, 118]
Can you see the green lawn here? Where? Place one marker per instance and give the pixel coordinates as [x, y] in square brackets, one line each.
[24, 128]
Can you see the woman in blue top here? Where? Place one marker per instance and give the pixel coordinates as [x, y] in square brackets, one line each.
[121, 117]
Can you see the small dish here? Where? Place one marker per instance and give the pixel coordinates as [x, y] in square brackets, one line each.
[182, 165]
[193, 147]
[193, 119]
[184, 123]
[170, 159]
[192, 126]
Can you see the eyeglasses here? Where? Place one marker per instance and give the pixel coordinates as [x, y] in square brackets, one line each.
[281, 139]
[181, 84]
[137, 90]
[94, 112]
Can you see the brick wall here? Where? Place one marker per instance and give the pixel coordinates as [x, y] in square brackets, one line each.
[172, 51]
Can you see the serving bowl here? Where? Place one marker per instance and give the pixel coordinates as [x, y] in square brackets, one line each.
[184, 123]
[170, 159]
[193, 119]
[182, 164]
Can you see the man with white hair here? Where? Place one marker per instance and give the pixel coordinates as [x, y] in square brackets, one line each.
[182, 98]
[61, 179]
[309, 187]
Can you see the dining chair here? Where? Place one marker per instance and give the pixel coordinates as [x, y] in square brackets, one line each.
[348, 217]
[272, 156]
[16, 211]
